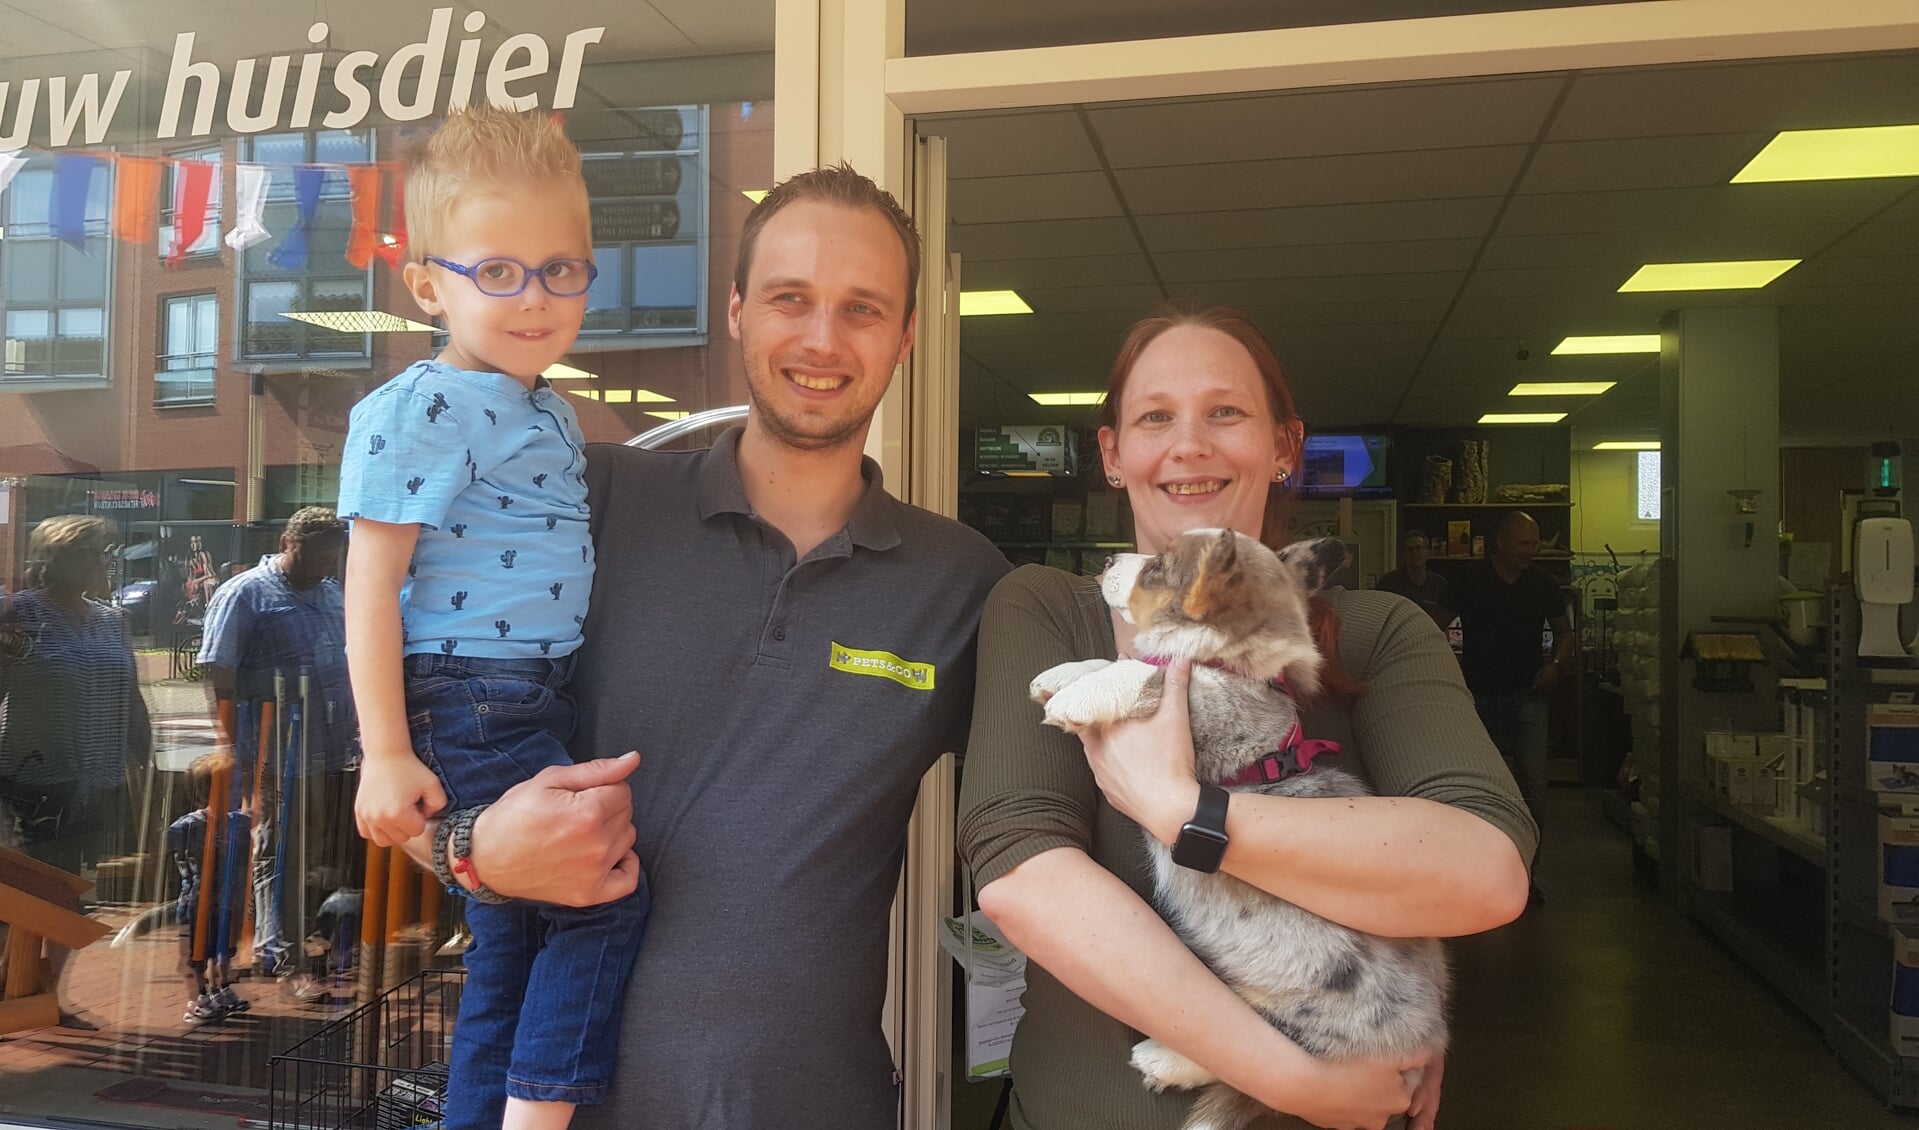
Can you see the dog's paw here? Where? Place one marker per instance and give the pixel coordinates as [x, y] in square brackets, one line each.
[1055, 679]
[1165, 1068]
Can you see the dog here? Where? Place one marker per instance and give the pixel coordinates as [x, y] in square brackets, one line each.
[1241, 614]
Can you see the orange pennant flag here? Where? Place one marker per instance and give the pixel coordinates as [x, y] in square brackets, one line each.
[364, 181]
[136, 197]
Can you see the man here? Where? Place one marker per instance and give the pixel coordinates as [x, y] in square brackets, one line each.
[1413, 580]
[790, 649]
[275, 648]
[1503, 604]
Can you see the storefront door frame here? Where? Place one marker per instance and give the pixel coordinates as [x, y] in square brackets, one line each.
[847, 90]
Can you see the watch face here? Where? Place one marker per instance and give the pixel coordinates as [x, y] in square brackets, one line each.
[1199, 849]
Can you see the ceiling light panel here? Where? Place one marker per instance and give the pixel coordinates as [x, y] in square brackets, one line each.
[1522, 417]
[358, 321]
[978, 302]
[1068, 399]
[1733, 274]
[754, 194]
[1607, 343]
[1560, 388]
[1627, 445]
[1835, 154]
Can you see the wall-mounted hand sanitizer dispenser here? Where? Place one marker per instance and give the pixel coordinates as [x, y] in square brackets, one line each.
[1882, 563]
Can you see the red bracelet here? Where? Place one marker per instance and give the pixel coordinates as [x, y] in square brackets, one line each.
[464, 866]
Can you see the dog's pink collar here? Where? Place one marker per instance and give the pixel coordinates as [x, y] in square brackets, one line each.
[1294, 755]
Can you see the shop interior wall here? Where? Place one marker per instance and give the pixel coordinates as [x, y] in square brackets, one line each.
[1605, 492]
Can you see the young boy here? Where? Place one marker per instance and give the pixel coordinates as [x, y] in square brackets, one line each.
[213, 887]
[467, 581]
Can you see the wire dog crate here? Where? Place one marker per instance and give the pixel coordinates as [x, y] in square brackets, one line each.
[382, 1066]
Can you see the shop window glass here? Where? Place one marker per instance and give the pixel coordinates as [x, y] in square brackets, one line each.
[664, 174]
[190, 354]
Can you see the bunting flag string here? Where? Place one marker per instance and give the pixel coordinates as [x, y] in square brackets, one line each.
[194, 189]
[291, 254]
[364, 183]
[251, 184]
[72, 185]
[136, 191]
[10, 163]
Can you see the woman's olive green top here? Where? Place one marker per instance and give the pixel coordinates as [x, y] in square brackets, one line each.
[1026, 789]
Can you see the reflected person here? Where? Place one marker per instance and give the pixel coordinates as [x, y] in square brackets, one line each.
[275, 657]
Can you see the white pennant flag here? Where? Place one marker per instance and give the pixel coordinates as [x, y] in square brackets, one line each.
[249, 223]
[10, 163]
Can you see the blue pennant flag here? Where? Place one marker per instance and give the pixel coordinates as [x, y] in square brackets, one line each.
[72, 184]
[291, 255]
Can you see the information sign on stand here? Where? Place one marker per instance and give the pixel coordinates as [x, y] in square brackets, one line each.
[1048, 449]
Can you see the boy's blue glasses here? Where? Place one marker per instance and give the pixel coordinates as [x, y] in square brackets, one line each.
[507, 278]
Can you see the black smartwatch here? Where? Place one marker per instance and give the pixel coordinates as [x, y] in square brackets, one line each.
[1202, 840]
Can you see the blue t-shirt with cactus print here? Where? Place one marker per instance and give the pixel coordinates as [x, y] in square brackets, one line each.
[494, 475]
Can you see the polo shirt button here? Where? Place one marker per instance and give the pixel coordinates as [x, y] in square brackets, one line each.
[779, 633]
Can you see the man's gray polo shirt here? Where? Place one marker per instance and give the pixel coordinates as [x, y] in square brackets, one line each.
[785, 713]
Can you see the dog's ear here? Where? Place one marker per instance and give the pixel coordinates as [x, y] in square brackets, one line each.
[1317, 560]
[1217, 581]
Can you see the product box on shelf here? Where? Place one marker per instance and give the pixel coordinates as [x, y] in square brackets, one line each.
[1892, 748]
[1899, 868]
[1905, 993]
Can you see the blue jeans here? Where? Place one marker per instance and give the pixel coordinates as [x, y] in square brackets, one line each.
[539, 1016]
[1517, 723]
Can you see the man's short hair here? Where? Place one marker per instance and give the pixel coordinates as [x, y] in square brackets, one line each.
[1511, 523]
[485, 148]
[311, 522]
[835, 184]
[1407, 539]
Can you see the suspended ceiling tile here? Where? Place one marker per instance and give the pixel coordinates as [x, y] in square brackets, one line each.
[1431, 174]
[735, 26]
[1135, 301]
[1405, 257]
[1318, 123]
[1631, 249]
[1013, 144]
[1819, 93]
[1466, 218]
[1641, 162]
[1596, 281]
[1051, 196]
[1043, 239]
[1328, 289]
[1028, 274]
[1729, 205]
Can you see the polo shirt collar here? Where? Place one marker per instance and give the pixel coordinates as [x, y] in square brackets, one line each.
[722, 491]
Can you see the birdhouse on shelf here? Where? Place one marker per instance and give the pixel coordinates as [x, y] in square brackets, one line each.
[1723, 661]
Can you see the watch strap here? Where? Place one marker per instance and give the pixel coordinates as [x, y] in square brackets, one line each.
[1202, 840]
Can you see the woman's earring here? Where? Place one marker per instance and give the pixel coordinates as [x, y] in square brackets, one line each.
[1279, 476]
[1114, 479]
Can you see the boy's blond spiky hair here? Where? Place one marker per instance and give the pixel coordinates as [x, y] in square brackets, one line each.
[486, 148]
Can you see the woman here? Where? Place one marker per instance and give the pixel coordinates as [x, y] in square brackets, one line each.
[1200, 432]
[75, 726]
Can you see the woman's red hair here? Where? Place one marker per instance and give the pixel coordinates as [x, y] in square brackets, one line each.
[1277, 526]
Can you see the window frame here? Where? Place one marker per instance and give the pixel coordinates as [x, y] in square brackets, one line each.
[192, 398]
[694, 147]
[101, 245]
[333, 190]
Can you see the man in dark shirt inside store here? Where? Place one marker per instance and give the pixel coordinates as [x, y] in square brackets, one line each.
[1503, 603]
[1414, 581]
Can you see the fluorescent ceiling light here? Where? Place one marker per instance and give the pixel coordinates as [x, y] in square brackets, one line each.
[1560, 388]
[1522, 417]
[565, 372]
[974, 302]
[358, 321]
[209, 482]
[670, 415]
[1607, 343]
[754, 194]
[1736, 274]
[584, 393]
[1835, 154]
[1627, 445]
[1075, 399]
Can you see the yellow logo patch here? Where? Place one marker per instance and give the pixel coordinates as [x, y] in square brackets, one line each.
[884, 664]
